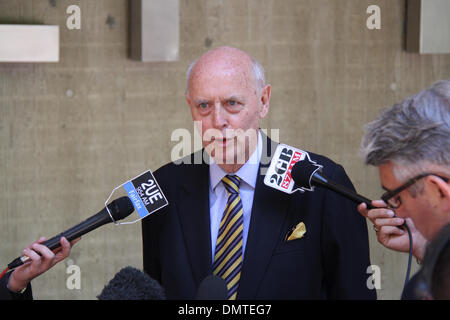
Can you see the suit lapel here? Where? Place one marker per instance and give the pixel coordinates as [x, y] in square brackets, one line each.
[194, 218]
[268, 214]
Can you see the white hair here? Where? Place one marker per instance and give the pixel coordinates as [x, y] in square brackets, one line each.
[413, 135]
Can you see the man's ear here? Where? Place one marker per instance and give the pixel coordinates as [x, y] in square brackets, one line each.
[439, 192]
[265, 101]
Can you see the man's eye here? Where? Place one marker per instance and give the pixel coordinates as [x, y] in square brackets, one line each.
[203, 105]
[232, 102]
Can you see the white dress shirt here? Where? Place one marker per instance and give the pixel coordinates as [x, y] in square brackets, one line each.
[218, 195]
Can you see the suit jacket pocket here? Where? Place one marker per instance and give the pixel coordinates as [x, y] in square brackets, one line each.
[289, 246]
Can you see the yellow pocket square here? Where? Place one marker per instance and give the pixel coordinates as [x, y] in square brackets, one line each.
[297, 232]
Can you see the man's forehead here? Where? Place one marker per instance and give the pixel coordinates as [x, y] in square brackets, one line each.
[388, 178]
[227, 81]
[223, 59]
[222, 69]
[225, 68]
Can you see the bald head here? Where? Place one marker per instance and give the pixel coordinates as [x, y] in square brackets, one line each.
[227, 59]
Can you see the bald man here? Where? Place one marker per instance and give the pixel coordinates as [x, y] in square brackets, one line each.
[222, 219]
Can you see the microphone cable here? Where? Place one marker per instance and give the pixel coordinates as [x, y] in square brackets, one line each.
[408, 270]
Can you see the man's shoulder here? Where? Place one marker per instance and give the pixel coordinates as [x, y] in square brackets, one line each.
[332, 169]
[271, 146]
[321, 159]
[329, 165]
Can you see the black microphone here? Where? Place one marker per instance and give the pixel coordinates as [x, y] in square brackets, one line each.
[212, 288]
[132, 284]
[119, 208]
[306, 173]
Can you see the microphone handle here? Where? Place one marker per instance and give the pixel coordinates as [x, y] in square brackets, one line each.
[75, 232]
[80, 229]
[321, 180]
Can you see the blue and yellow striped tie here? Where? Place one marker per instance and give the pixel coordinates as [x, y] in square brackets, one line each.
[228, 254]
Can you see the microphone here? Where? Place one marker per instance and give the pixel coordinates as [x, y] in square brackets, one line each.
[212, 288]
[132, 284]
[292, 169]
[306, 174]
[119, 208]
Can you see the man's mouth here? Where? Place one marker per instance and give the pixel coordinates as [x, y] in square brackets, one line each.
[222, 141]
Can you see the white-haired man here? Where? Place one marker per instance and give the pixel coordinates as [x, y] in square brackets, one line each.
[222, 219]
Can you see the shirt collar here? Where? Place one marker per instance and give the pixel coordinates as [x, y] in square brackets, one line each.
[248, 172]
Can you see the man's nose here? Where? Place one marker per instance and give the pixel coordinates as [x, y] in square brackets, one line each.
[219, 117]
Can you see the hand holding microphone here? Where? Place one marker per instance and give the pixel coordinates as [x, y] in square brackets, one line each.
[388, 229]
[43, 254]
[40, 252]
[41, 259]
[119, 208]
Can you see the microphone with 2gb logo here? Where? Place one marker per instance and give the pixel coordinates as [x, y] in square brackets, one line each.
[293, 170]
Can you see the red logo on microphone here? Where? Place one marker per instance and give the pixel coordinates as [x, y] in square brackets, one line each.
[288, 178]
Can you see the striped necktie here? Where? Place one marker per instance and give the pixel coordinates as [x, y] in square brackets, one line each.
[228, 254]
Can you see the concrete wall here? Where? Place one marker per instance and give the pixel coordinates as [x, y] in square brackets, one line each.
[72, 131]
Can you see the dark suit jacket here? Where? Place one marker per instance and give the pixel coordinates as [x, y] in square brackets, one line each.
[330, 261]
[5, 294]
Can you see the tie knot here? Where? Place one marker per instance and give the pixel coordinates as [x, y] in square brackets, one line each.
[231, 183]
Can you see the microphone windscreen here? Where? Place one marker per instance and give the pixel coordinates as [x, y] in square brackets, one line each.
[302, 172]
[212, 288]
[132, 284]
[121, 208]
